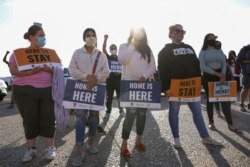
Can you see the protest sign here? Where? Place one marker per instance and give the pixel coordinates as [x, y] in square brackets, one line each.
[115, 66]
[77, 96]
[222, 92]
[28, 58]
[141, 94]
[185, 90]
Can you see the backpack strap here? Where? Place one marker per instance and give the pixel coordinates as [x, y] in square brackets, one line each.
[96, 62]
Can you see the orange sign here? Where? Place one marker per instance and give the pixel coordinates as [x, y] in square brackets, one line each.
[28, 58]
[222, 92]
[186, 90]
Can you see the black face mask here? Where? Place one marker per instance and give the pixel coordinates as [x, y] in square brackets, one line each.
[211, 42]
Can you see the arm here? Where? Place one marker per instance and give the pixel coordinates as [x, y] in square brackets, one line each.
[151, 69]
[104, 73]
[5, 57]
[14, 70]
[105, 45]
[124, 53]
[203, 66]
[74, 71]
[163, 71]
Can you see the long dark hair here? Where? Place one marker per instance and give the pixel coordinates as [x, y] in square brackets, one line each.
[143, 46]
[205, 42]
[32, 31]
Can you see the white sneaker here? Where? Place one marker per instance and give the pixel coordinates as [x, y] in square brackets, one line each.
[107, 115]
[177, 143]
[92, 148]
[77, 160]
[50, 153]
[29, 155]
[210, 140]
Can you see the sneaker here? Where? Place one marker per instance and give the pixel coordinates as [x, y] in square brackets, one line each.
[50, 153]
[177, 143]
[29, 155]
[107, 115]
[78, 160]
[92, 148]
[211, 126]
[242, 108]
[248, 106]
[101, 131]
[210, 140]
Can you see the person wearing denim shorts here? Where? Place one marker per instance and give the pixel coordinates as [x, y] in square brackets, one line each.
[243, 59]
[178, 60]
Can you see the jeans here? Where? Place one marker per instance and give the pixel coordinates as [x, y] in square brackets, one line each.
[195, 107]
[82, 116]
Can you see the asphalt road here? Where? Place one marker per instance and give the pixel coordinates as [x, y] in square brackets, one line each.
[157, 137]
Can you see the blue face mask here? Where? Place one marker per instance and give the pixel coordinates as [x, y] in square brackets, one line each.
[41, 41]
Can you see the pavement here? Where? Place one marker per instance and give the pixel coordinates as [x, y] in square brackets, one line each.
[157, 137]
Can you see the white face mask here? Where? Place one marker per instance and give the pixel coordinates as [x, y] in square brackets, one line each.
[113, 52]
[90, 41]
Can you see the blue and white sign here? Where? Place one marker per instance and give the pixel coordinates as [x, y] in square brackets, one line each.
[222, 89]
[141, 94]
[115, 66]
[77, 96]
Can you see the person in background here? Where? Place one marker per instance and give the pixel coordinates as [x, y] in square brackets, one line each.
[114, 80]
[178, 60]
[243, 59]
[234, 66]
[138, 65]
[82, 67]
[213, 66]
[12, 101]
[33, 96]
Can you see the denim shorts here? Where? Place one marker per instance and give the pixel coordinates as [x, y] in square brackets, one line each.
[246, 81]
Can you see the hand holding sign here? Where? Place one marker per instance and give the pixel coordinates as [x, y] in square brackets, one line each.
[142, 79]
[36, 70]
[47, 69]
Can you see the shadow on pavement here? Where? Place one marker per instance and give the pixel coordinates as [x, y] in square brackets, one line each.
[214, 151]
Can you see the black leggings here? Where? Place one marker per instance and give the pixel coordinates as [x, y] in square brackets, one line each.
[226, 106]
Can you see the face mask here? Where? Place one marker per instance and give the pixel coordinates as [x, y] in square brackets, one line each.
[211, 42]
[90, 41]
[41, 41]
[113, 52]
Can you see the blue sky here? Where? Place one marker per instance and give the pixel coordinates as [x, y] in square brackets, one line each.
[65, 20]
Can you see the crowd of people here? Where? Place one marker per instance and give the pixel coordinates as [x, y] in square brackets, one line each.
[32, 91]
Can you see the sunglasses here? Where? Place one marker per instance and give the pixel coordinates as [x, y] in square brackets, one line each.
[179, 31]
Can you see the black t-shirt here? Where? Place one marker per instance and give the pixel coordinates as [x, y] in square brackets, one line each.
[177, 61]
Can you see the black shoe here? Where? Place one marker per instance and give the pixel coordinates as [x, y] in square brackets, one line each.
[101, 131]
[248, 106]
[242, 108]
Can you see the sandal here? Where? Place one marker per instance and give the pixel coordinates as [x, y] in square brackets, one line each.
[233, 129]
[140, 146]
[125, 152]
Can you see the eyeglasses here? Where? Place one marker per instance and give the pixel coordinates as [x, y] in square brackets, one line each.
[178, 31]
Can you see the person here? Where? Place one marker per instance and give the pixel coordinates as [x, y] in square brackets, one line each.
[243, 59]
[33, 96]
[178, 60]
[213, 66]
[138, 65]
[90, 65]
[234, 66]
[114, 79]
[11, 105]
